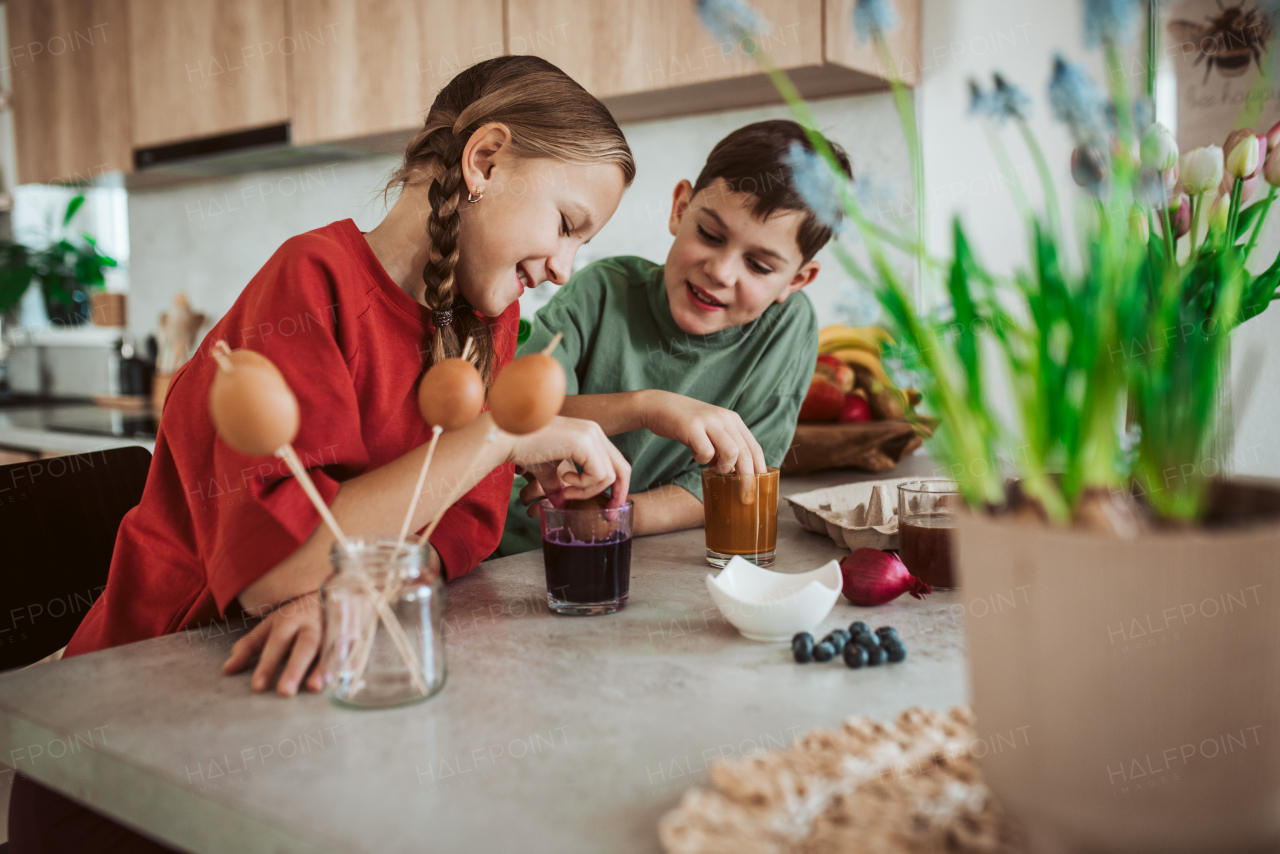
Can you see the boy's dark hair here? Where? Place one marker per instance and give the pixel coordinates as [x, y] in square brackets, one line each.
[751, 160]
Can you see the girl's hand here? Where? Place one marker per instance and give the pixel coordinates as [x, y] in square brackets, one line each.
[554, 454]
[293, 630]
[716, 436]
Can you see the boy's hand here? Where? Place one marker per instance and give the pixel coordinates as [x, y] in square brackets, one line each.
[290, 635]
[716, 436]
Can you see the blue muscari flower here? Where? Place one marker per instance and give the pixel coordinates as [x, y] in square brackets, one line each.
[873, 18]
[731, 20]
[1113, 21]
[816, 184]
[1005, 101]
[1011, 101]
[1077, 101]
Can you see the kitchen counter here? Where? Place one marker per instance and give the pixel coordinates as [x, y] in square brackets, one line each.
[71, 429]
[556, 734]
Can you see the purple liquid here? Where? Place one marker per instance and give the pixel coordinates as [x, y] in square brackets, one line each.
[586, 572]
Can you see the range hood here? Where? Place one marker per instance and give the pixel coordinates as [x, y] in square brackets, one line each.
[247, 151]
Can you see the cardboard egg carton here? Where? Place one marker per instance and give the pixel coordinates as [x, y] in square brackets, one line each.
[854, 515]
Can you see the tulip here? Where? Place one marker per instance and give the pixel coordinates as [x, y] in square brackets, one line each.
[1180, 216]
[1089, 169]
[1201, 169]
[1218, 213]
[1170, 178]
[1242, 155]
[1271, 169]
[1273, 137]
[1139, 230]
[1159, 149]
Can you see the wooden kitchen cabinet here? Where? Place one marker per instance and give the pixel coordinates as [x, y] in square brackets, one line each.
[653, 58]
[69, 72]
[385, 64]
[203, 68]
[843, 47]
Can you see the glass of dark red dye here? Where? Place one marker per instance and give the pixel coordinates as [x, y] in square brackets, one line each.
[587, 554]
[926, 524]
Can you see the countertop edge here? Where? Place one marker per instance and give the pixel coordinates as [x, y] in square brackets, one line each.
[127, 794]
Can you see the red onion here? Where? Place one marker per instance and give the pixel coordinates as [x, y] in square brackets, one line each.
[873, 577]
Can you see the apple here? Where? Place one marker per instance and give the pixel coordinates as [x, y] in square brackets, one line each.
[835, 371]
[823, 402]
[855, 410]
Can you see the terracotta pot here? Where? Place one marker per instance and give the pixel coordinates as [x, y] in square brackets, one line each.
[1128, 688]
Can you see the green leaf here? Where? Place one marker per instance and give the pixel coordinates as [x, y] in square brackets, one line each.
[1246, 218]
[72, 206]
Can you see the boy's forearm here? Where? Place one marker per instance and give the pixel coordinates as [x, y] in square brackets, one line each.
[665, 509]
[615, 413]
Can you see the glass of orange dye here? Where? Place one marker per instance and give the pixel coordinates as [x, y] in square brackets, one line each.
[741, 516]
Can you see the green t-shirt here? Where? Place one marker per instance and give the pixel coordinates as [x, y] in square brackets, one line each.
[619, 336]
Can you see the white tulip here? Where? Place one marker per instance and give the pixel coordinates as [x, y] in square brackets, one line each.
[1201, 169]
[1159, 148]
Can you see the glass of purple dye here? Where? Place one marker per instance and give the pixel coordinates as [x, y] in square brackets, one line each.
[587, 553]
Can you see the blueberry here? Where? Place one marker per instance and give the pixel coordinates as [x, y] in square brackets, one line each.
[886, 631]
[896, 651]
[824, 652]
[855, 656]
[875, 656]
[858, 626]
[838, 639]
[802, 647]
[866, 640]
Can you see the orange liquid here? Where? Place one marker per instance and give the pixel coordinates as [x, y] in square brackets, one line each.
[736, 527]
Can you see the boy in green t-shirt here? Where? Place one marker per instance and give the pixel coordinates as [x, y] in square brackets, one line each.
[702, 361]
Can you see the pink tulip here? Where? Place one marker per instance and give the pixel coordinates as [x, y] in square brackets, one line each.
[1180, 216]
[1273, 137]
[1271, 169]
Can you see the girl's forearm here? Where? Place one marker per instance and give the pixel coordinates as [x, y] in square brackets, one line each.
[375, 502]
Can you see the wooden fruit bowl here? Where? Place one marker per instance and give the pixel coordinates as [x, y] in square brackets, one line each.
[874, 446]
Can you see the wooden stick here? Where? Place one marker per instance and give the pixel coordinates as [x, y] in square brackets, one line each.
[456, 493]
[466, 348]
[290, 456]
[394, 630]
[220, 351]
[547, 350]
[417, 490]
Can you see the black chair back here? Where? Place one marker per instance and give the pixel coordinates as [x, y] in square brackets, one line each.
[58, 523]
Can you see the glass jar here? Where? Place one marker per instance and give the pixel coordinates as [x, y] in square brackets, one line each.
[383, 625]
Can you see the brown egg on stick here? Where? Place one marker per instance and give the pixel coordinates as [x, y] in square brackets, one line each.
[252, 407]
[450, 396]
[527, 394]
[254, 411]
[586, 521]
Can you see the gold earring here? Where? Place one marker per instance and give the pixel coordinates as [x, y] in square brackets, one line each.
[474, 197]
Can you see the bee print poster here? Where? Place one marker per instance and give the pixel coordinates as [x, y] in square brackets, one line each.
[1217, 49]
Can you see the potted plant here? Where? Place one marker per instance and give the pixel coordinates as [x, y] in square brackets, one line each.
[1131, 627]
[68, 270]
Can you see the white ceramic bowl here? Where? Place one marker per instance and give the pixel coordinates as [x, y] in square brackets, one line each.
[774, 606]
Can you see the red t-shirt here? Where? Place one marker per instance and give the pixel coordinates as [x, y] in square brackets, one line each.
[212, 521]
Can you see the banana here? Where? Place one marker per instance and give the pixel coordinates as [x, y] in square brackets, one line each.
[840, 337]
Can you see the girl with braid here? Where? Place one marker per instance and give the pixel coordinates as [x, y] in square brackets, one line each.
[516, 167]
